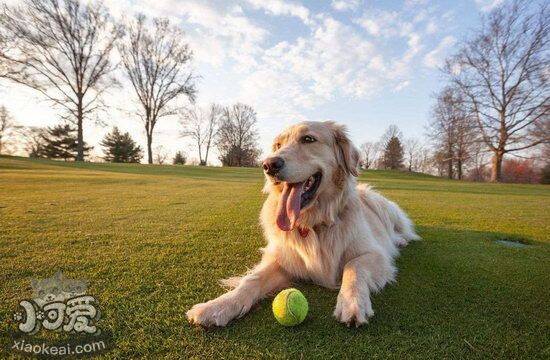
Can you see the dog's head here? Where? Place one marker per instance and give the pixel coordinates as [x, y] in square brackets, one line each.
[310, 163]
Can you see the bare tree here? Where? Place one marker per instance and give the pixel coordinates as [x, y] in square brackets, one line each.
[61, 48]
[237, 136]
[452, 130]
[503, 74]
[33, 139]
[541, 132]
[412, 153]
[370, 152]
[201, 126]
[424, 160]
[161, 155]
[7, 129]
[157, 62]
[442, 129]
[478, 158]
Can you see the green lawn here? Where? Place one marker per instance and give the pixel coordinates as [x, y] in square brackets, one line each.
[153, 240]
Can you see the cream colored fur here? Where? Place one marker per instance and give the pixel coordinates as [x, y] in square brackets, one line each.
[353, 239]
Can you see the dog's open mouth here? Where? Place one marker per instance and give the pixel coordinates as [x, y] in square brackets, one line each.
[295, 197]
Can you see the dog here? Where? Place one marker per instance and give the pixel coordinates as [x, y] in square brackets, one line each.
[321, 226]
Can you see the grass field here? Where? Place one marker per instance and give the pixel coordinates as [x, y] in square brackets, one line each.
[153, 240]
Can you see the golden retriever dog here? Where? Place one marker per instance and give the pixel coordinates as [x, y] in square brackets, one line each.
[321, 226]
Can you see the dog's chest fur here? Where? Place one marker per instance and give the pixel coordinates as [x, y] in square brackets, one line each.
[311, 257]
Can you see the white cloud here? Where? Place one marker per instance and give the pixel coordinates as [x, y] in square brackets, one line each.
[380, 23]
[488, 5]
[431, 28]
[281, 7]
[435, 57]
[332, 62]
[400, 86]
[345, 5]
[414, 46]
[216, 33]
[411, 3]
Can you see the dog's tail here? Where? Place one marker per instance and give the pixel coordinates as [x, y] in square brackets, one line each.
[392, 216]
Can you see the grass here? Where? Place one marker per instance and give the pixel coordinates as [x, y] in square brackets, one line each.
[153, 240]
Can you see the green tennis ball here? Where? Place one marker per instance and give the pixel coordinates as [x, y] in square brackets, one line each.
[290, 307]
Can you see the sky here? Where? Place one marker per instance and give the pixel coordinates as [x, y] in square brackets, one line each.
[364, 63]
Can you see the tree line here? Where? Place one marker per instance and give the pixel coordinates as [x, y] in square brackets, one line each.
[65, 50]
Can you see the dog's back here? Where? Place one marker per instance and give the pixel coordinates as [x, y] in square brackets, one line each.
[397, 223]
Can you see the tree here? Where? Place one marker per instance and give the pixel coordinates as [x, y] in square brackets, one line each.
[120, 148]
[370, 151]
[412, 153]
[452, 130]
[160, 155]
[180, 158]
[478, 158]
[440, 161]
[60, 142]
[33, 138]
[424, 160]
[503, 74]
[520, 171]
[7, 128]
[391, 131]
[545, 176]
[237, 136]
[393, 154]
[157, 64]
[392, 157]
[202, 127]
[62, 49]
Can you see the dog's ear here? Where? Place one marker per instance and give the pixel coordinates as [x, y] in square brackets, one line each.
[346, 153]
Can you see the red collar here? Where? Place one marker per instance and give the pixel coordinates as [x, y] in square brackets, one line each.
[304, 232]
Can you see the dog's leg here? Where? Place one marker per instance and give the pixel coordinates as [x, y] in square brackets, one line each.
[265, 278]
[362, 275]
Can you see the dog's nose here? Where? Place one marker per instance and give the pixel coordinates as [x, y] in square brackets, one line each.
[273, 165]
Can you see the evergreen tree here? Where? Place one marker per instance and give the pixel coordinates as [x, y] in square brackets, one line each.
[179, 159]
[393, 154]
[121, 148]
[60, 142]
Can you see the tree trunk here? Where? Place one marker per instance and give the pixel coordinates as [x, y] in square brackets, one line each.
[201, 161]
[206, 155]
[450, 169]
[459, 168]
[149, 148]
[80, 135]
[496, 170]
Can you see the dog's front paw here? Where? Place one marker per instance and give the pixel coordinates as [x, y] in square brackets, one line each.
[217, 312]
[351, 309]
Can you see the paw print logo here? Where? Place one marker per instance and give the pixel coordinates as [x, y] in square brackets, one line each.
[17, 316]
[40, 315]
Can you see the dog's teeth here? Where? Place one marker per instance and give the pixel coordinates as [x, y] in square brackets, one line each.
[308, 183]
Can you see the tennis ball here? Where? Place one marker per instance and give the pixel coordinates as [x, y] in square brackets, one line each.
[290, 307]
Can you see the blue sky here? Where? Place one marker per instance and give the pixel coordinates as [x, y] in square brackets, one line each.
[367, 64]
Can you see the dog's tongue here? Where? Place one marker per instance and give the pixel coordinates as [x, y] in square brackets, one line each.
[289, 206]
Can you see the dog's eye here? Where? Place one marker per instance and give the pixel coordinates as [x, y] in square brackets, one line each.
[277, 146]
[308, 139]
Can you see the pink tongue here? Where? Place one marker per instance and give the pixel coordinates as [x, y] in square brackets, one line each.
[289, 206]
